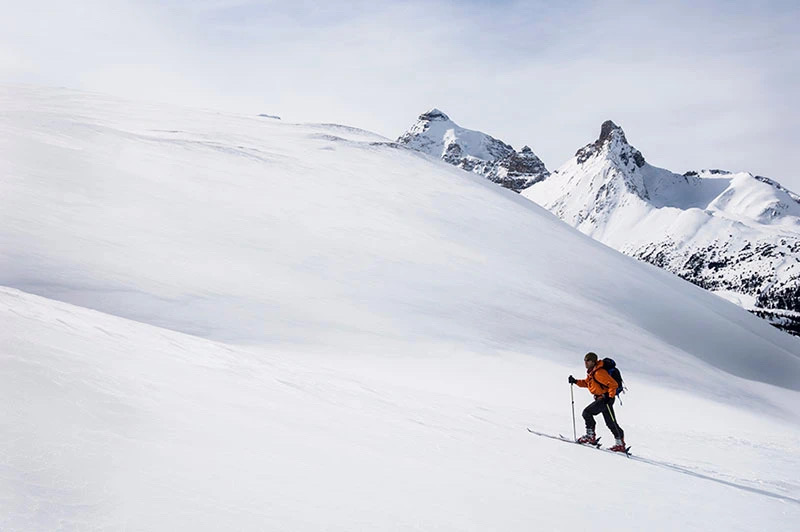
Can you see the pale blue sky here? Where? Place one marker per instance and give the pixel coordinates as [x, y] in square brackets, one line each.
[695, 84]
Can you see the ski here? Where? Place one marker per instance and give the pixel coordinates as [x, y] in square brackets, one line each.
[563, 438]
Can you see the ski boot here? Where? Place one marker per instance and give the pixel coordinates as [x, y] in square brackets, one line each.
[619, 446]
[589, 438]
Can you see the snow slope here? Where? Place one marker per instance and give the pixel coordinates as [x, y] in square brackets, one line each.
[435, 134]
[113, 424]
[730, 233]
[403, 323]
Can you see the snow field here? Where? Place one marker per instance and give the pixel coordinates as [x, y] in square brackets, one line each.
[112, 424]
[372, 332]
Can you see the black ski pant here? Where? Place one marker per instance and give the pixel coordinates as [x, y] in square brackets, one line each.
[604, 406]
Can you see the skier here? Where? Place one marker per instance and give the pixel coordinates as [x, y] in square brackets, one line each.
[604, 388]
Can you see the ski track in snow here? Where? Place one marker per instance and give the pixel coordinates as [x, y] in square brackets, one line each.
[690, 472]
[680, 469]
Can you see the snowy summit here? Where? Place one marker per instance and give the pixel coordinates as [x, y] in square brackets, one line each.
[733, 233]
[435, 134]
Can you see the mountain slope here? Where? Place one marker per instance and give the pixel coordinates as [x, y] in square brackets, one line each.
[435, 134]
[736, 234]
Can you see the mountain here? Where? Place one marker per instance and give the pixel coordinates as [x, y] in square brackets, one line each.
[736, 234]
[221, 322]
[435, 134]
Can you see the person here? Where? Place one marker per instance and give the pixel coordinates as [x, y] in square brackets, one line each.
[604, 388]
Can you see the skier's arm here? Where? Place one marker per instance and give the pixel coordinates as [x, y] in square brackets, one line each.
[606, 380]
[582, 383]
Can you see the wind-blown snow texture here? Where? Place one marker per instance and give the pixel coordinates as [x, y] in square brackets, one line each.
[735, 234]
[435, 134]
[405, 322]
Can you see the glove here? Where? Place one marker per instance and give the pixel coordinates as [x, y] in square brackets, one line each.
[572, 380]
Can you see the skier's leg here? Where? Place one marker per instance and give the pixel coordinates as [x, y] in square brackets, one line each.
[590, 411]
[588, 416]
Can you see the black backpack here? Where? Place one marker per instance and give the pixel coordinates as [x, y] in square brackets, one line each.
[611, 367]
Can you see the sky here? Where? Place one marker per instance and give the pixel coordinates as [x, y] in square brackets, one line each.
[699, 84]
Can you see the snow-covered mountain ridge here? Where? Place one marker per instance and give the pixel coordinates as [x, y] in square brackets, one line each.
[735, 234]
[732, 233]
[435, 134]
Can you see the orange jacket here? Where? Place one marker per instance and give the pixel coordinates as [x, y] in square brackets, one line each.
[599, 381]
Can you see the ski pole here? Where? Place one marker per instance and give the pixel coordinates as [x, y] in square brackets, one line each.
[572, 396]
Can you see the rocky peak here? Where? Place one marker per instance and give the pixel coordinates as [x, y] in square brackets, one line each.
[434, 115]
[609, 130]
[611, 140]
